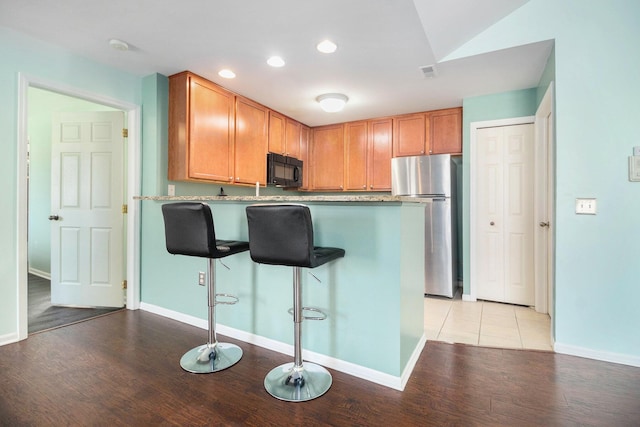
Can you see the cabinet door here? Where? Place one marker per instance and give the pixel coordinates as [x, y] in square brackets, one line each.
[276, 133]
[251, 142]
[409, 135]
[355, 144]
[327, 152]
[292, 138]
[305, 136]
[446, 131]
[380, 147]
[210, 135]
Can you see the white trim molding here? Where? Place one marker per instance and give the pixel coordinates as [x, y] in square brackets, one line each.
[387, 380]
[133, 188]
[604, 356]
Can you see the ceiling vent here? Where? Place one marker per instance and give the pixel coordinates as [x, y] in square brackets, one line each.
[429, 71]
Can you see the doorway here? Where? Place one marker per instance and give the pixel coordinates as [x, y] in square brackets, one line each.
[535, 218]
[131, 184]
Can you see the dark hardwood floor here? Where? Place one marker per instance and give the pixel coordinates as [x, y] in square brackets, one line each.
[123, 369]
[42, 315]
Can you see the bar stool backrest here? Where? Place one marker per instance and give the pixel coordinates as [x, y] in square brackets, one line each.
[189, 230]
[281, 234]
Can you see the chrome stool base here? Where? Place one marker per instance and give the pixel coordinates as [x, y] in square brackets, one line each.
[208, 358]
[297, 383]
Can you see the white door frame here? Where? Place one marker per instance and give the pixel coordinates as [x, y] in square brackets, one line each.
[545, 149]
[133, 189]
[474, 126]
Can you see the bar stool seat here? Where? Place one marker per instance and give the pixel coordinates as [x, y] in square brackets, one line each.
[282, 234]
[189, 230]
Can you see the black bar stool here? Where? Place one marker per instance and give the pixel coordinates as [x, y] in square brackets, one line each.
[189, 231]
[282, 234]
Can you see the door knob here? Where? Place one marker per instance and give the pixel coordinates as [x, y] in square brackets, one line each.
[54, 218]
[544, 224]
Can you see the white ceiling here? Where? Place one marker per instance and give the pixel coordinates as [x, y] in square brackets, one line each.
[381, 45]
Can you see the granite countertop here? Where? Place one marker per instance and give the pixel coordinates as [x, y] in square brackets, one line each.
[332, 198]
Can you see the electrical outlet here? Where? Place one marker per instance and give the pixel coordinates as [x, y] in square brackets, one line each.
[586, 206]
[171, 190]
[201, 278]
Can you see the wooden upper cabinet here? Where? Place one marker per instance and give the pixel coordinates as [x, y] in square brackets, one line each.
[410, 135]
[251, 139]
[431, 132]
[327, 157]
[305, 142]
[380, 152]
[201, 129]
[446, 131]
[355, 152]
[292, 138]
[276, 133]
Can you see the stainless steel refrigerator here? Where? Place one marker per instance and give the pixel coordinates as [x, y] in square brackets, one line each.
[434, 179]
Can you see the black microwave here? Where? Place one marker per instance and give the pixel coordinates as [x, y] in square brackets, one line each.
[284, 171]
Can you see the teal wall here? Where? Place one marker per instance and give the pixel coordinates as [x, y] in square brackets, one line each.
[43, 61]
[42, 105]
[596, 66]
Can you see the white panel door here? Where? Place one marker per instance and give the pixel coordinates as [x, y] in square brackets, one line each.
[504, 220]
[87, 223]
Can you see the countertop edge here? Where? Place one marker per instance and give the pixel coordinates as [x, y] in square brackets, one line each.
[310, 199]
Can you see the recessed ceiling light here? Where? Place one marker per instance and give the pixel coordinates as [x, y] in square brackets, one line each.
[227, 74]
[118, 44]
[327, 46]
[275, 61]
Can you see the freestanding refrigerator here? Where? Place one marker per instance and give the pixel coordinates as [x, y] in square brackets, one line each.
[434, 179]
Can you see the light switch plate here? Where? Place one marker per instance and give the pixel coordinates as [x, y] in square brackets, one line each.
[634, 168]
[171, 190]
[586, 206]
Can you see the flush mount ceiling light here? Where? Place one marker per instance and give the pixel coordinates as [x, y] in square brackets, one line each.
[227, 74]
[327, 46]
[118, 44]
[276, 61]
[332, 102]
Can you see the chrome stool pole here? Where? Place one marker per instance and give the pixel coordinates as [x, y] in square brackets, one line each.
[212, 356]
[297, 381]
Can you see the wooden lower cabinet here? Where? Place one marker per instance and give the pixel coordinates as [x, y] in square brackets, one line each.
[327, 158]
[201, 129]
[251, 140]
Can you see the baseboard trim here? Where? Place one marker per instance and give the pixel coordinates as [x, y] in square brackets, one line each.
[40, 273]
[8, 339]
[384, 379]
[604, 356]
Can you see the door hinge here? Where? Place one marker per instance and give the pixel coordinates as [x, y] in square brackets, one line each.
[124, 284]
[125, 209]
[125, 133]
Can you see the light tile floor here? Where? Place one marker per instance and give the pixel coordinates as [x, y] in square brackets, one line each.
[486, 324]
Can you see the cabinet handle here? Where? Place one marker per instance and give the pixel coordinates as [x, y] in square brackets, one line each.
[492, 223]
[422, 152]
[364, 187]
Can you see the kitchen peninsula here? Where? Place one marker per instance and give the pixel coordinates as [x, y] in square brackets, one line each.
[373, 296]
